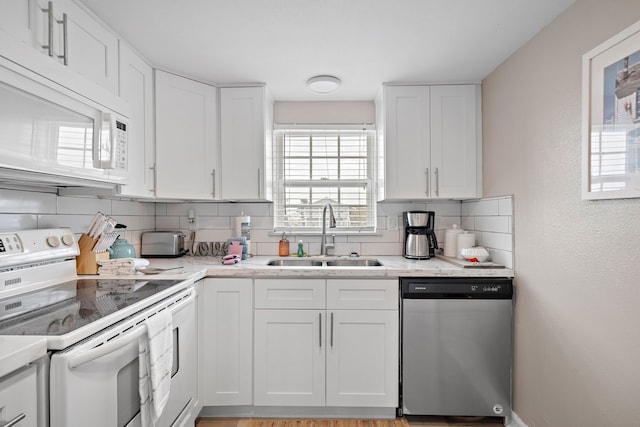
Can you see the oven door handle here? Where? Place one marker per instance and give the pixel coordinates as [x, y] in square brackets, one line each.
[128, 338]
[107, 348]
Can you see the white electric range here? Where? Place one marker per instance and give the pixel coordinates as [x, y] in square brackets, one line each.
[92, 326]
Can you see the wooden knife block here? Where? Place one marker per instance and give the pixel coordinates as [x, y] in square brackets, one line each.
[87, 261]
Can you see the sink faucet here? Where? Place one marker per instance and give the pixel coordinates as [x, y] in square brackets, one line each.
[332, 224]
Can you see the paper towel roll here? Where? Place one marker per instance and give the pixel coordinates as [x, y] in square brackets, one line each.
[465, 240]
[451, 240]
[243, 228]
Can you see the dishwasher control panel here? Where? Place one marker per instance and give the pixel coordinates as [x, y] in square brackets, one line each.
[457, 288]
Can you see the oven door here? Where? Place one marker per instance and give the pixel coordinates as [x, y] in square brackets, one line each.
[95, 383]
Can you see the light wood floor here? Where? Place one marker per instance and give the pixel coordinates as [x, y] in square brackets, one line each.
[412, 420]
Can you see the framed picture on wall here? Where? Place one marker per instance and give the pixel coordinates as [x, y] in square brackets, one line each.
[611, 118]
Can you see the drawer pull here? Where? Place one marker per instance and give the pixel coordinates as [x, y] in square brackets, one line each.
[14, 421]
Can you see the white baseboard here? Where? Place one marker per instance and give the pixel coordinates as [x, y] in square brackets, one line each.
[515, 421]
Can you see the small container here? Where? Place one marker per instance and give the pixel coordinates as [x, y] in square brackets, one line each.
[283, 246]
[300, 248]
[121, 249]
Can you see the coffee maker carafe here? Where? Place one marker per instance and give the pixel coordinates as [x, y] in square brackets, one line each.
[419, 238]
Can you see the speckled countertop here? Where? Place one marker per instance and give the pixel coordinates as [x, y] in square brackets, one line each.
[18, 351]
[392, 267]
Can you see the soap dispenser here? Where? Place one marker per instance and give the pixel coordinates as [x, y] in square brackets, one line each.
[283, 246]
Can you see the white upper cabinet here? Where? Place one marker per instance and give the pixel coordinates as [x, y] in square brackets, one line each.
[431, 142]
[136, 87]
[23, 20]
[407, 150]
[245, 138]
[186, 139]
[67, 34]
[456, 149]
[86, 46]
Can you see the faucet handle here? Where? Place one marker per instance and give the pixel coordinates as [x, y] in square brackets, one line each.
[331, 245]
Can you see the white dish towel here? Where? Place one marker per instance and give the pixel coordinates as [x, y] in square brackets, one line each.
[155, 364]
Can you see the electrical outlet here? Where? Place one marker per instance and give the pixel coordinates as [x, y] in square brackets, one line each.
[392, 223]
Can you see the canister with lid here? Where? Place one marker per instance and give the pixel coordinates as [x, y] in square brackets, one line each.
[451, 240]
[465, 240]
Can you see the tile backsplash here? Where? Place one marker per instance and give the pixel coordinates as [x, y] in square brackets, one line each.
[490, 219]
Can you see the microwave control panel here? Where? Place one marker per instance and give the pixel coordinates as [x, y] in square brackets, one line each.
[120, 145]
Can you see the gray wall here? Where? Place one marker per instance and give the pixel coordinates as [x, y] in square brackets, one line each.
[577, 331]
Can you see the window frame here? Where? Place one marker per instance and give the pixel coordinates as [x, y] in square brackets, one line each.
[315, 210]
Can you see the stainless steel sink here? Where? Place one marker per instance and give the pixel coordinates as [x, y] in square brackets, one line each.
[354, 263]
[293, 262]
[306, 262]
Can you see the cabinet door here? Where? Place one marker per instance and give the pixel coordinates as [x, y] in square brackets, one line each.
[362, 358]
[406, 142]
[186, 140]
[136, 87]
[19, 395]
[289, 358]
[92, 49]
[228, 342]
[455, 141]
[244, 136]
[24, 20]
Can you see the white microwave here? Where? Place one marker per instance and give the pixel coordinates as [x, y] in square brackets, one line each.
[51, 131]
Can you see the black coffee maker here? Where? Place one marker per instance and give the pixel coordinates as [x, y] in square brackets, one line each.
[419, 237]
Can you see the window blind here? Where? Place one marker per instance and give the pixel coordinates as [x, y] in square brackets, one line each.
[316, 167]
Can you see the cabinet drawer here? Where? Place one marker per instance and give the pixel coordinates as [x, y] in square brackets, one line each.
[19, 396]
[362, 294]
[290, 293]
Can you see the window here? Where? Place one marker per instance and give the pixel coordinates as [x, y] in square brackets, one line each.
[314, 167]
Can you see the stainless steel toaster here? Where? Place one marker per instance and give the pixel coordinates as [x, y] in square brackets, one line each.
[162, 244]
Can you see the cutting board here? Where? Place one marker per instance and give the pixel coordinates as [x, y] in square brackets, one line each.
[468, 264]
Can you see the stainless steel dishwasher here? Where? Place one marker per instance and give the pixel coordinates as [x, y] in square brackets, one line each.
[457, 346]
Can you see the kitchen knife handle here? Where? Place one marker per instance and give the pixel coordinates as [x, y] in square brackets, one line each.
[49, 45]
[437, 183]
[65, 40]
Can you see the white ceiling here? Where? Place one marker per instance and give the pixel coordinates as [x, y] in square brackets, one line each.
[363, 42]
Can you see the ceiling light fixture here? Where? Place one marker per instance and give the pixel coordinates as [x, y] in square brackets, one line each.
[323, 84]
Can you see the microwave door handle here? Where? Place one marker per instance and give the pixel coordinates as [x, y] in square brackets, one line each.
[129, 337]
[104, 141]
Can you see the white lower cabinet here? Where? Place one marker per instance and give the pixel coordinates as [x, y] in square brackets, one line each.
[362, 358]
[339, 349]
[19, 398]
[289, 358]
[227, 341]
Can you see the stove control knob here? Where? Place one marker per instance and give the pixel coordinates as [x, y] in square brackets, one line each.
[67, 240]
[53, 241]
